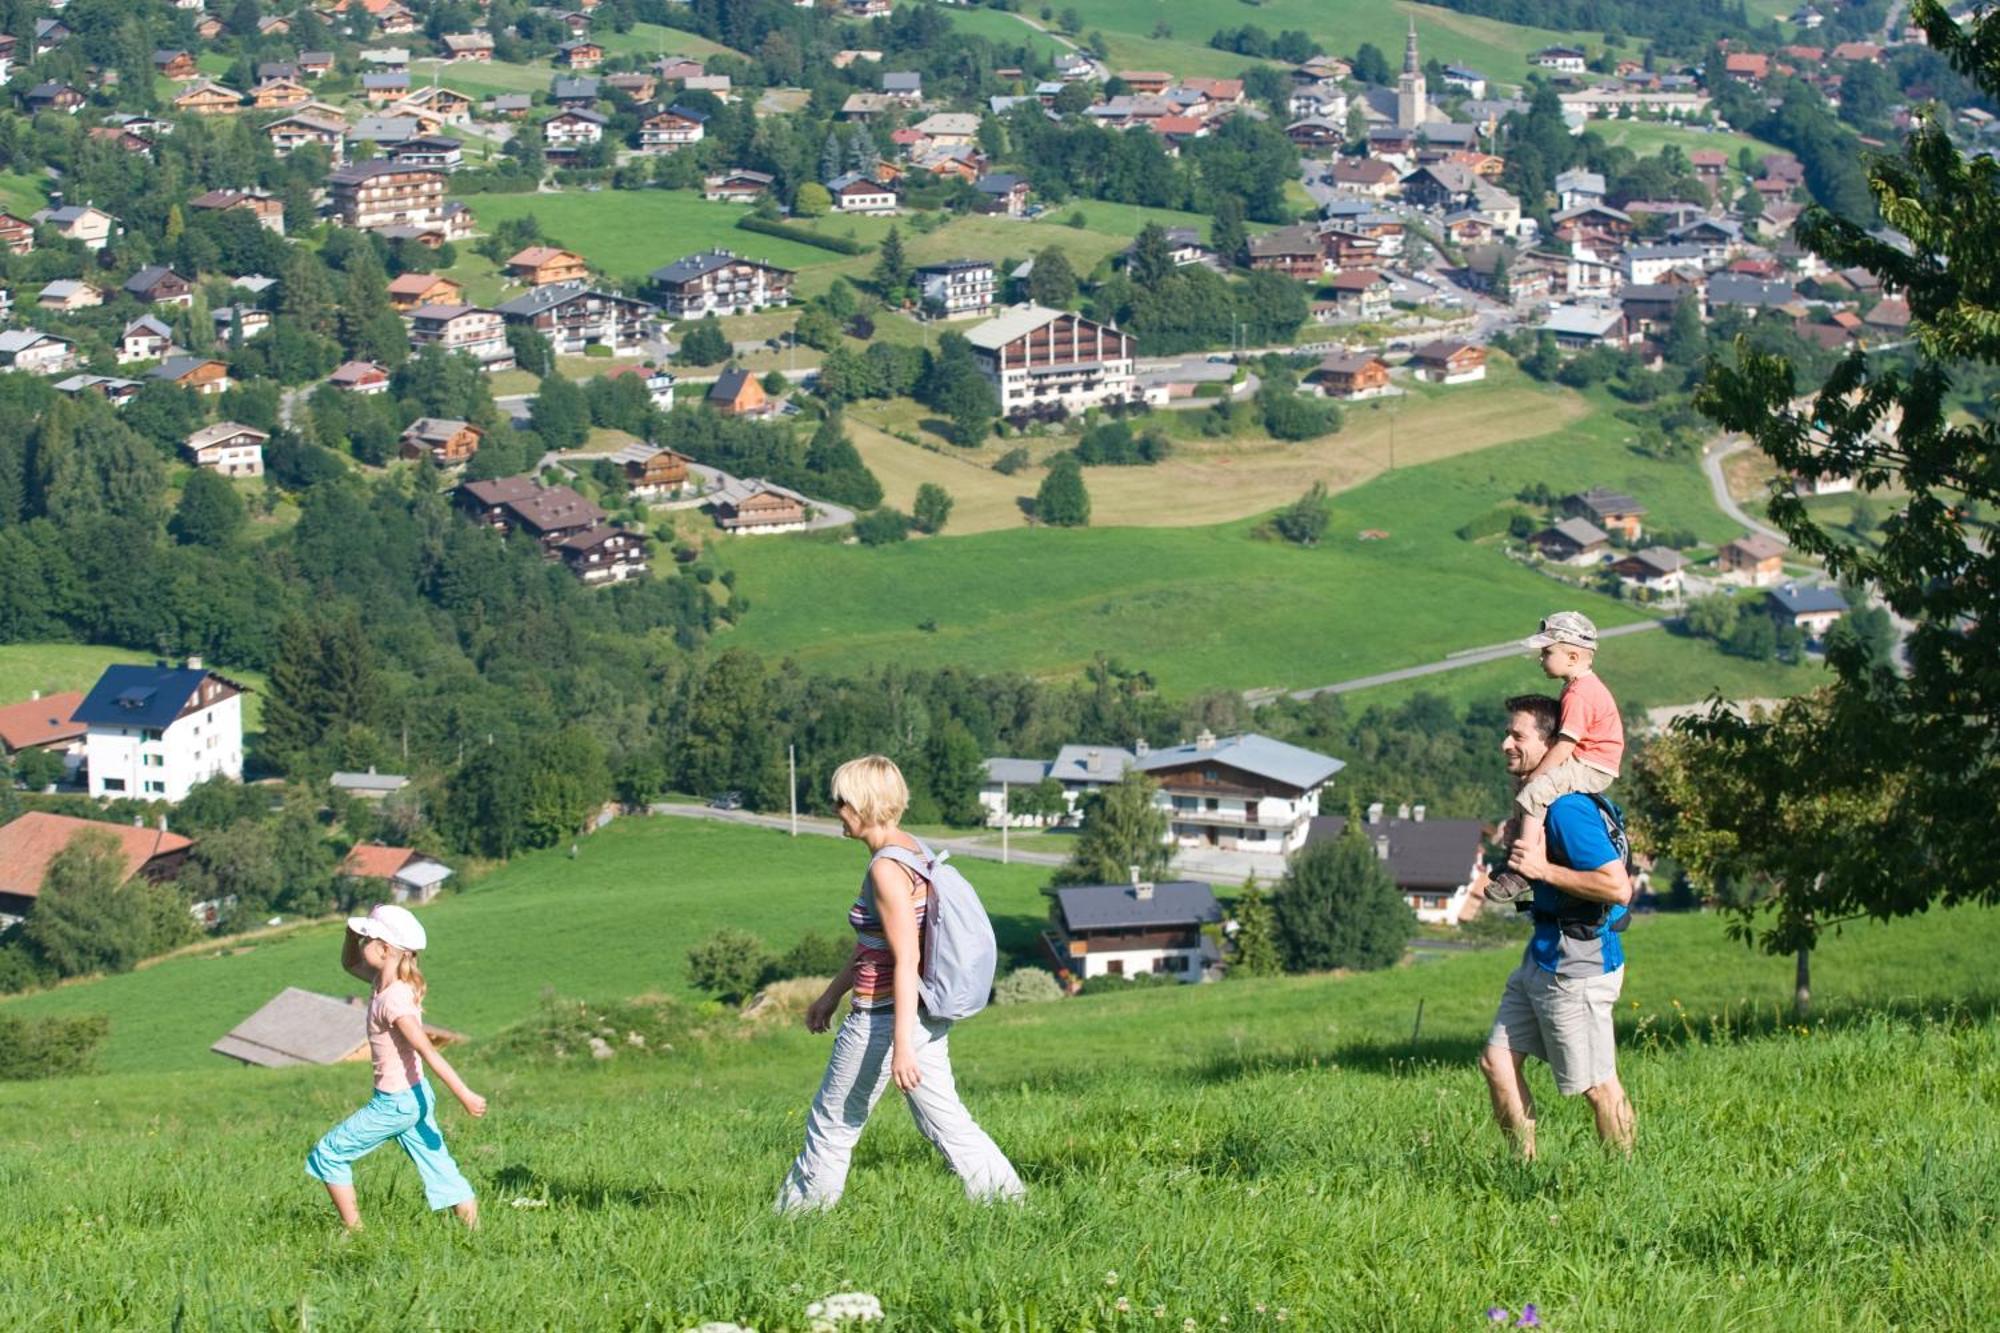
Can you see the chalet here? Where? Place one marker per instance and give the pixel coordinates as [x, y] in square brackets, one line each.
[580, 53]
[68, 295]
[157, 284]
[1042, 361]
[267, 208]
[156, 731]
[50, 34]
[209, 98]
[1810, 610]
[607, 553]
[387, 59]
[29, 842]
[749, 507]
[1657, 569]
[175, 65]
[576, 94]
[539, 265]
[53, 97]
[1433, 862]
[229, 448]
[204, 375]
[17, 235]
[407, 291]
[1365, 175]
[1863, 53]
[1137, 929]
[1593, 224]
[640, 87]
[1243, 793]
[903, 86]
[1891, 316]
[466, 46]
[1184, 246]
[1317, 134]
[448, 105]
[1581, 327]
[864, 107]
[44, 723]
[146, 338]
[948, 129]
[509, 106]
[79, 222]
[957, 288]
[1440, 186]
[571, 129]
[490, 503]
[652, 472]
[446, 442]
[279, 95]
[1726, 290]
[1719, 238]
[716, 85]
[302, 1027]
[1078, 769]
[368, 786]
[316, 64]
[721, 283]
[363, 377]
[238, 321]
[736, 393]
[372, 195]
[1360, 294]
[856, 193]
[1751, 65]
[1352, 376]
[552, 513]
[737, 186]
[1613, 511]
[671, 130]
[1562, 59]
[111, 388]
[433, 152]
[1754, 559]
[575, 317]
[576, 21]
[1296, 252]
[678, 69]
[295, 132]
[379, 89]
[36, 353]
[1573, 541]
[1449, 362]
[399, 874]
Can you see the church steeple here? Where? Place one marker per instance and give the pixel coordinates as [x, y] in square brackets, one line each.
[1412, 65]
[1412, 101]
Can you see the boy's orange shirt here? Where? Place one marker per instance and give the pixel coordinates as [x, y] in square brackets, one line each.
[1590, 718]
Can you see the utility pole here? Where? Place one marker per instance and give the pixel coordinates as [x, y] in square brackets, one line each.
[1005, 820]
[792, 768]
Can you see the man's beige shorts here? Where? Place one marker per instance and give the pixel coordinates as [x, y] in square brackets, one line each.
[1563, 1020]
[1572, 777]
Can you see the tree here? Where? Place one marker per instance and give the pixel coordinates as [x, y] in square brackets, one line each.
[1256, 953]
[1152, 260]
[1304, 520]
[560, 415]
[1868, 633]
[730, 964]
[705, 344]
[892, 266]
[1338, 907]
[1062, 500]
[932, 508]
[1052, 282]
[1687, 338]
[210, 512]
[882, 527]
[1045, 801]
[90, 918]
[1503, 277]
[1227, 235]
[812, 200]
[1122, 828]
[1371, 67]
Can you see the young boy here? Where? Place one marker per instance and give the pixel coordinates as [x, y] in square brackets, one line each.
[1589, 745]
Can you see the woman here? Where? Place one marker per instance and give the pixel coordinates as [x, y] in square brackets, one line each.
[885, 1034]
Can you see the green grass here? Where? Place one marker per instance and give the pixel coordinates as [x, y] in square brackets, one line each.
[1647, 137]
[1005, 29]
[53, 667]
[629, 233]
[21, 193]
[652, 39]
[484, 78]
[1228, 1150]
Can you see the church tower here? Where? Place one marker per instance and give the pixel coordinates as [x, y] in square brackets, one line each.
[1412, 108]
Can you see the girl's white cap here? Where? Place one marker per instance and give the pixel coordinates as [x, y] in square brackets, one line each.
[391, 925]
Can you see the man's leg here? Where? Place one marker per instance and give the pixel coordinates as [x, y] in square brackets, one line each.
[1583, 1051]
[1513, 1104]
[1615, 1125]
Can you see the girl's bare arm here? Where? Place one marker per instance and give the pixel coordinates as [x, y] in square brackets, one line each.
[351, 961]
[420, 1042]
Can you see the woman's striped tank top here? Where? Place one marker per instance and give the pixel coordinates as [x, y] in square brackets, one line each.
[874, 964]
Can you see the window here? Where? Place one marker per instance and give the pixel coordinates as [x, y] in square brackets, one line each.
[114, 784]
[1115, 967]
[151, 734]
[156, 787]
[153, 760]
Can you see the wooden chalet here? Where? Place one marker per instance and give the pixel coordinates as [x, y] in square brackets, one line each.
[445, 441]
[1352, 376]
[539, 265]
[409, 291]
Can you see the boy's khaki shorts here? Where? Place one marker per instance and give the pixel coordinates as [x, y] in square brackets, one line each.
[1572, 777]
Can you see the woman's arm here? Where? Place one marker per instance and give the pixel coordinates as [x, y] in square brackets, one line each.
[819, 1014]
[351, 961]
[899, 925]
[413, 1032]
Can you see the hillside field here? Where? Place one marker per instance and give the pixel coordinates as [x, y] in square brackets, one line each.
[53, 667]
[1263, 1155]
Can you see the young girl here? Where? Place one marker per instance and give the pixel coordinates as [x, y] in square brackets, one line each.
[885, 1036]
[382, 948]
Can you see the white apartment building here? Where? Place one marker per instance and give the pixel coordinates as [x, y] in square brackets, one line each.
[718, 282]
[957, 289]
[1040, 359]
[156, 731]
[480, 334]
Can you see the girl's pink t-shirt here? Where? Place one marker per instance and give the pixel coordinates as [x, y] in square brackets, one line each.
[397, 1066]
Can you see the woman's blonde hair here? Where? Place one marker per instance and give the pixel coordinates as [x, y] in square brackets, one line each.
[873, 788]
[408, 971]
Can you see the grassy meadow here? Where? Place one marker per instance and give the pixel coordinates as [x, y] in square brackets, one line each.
[1251, 1155]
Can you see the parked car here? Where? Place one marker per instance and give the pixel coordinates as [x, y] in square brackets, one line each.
[729, 800]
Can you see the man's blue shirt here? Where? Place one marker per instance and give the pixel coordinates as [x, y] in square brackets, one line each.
[1577, 840]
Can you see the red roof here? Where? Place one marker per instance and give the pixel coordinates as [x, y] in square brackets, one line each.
[1354, 280]
[43, 721]
[1178, 125]
[906, 136]
[29, 843]
[371, 860]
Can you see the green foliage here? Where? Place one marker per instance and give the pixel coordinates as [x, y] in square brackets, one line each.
[1044, 800]
[1122, 828]
[815, 955]
[90, 918]
[1290, 415]
[1027, 985]
[730, 964]
[1304, 521]
[210, 512]
[932, 508]
[1256, 943]
[892, 266]
[323, 682]
[1116, 443]
[1062, 501]
[882, 527]
[1337, 907]
[34, 1048]
[560, 415]
[704, 345]
[811, 200]
[1011, 462]
[840, 245]
[1052, 281]
[563, 1030]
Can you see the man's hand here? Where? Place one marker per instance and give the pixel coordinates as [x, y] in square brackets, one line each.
[903, 1067]
[819, 1014]
[1529, 862]
[474, 1104]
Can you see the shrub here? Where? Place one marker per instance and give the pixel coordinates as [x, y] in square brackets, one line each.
[840, 245]
[1011, 462]
[815, 955]
[49, 1047]
[1026, 985]
[1337, 907]
[564, 1029]
[597, 349]
[729, 964]
[882, 527]
[1110, 985]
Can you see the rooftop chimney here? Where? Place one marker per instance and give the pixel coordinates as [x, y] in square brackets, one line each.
[1141, 748]
[1205, 741]
[1375, 812]
[34, 695]
[194, 662]
[163, 824]
[1094, 761]
[1417, 813]
[138, 821]
[1403, 810]
[1382, 848]
[1142, 889]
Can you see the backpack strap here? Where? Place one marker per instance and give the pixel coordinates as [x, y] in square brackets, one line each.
[921, 863]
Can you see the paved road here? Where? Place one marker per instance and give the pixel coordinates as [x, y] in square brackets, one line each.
[1712, 459]
[983, 851]
[1468, 657]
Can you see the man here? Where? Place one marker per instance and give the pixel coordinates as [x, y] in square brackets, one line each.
[1558, 1003]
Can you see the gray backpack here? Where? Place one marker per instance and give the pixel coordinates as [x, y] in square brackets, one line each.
[959, 950]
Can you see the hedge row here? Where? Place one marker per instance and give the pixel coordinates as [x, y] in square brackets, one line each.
[840, 245]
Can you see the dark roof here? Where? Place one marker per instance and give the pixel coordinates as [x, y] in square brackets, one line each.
[1741, 289]
[140, 696]
[178, 367]
[694, 266]
[999, 182]
[1115, 906]
[1423, 853]
[729, 384]
[1604, 500]
[148, 278]
[550, 295]
[1791, 599]
[501, 490]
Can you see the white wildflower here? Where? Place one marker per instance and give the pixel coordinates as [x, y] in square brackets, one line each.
[1111, 1278]
[525, 1202]
[856, 1307]
[1123, 1305]
[1188, 1325]
[721, 1326]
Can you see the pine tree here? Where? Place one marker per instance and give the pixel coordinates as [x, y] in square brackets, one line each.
[1226, 233]
[1052, 282]
[892, 266]
[1256, 935]
[830, 156]
[1122, 828]
[1338, 907]
[1152, 260]
[292, 706]
[1503, 278]
[932, 507]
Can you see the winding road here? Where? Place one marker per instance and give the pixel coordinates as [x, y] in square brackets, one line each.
[1464, 658]
[1712, 459]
